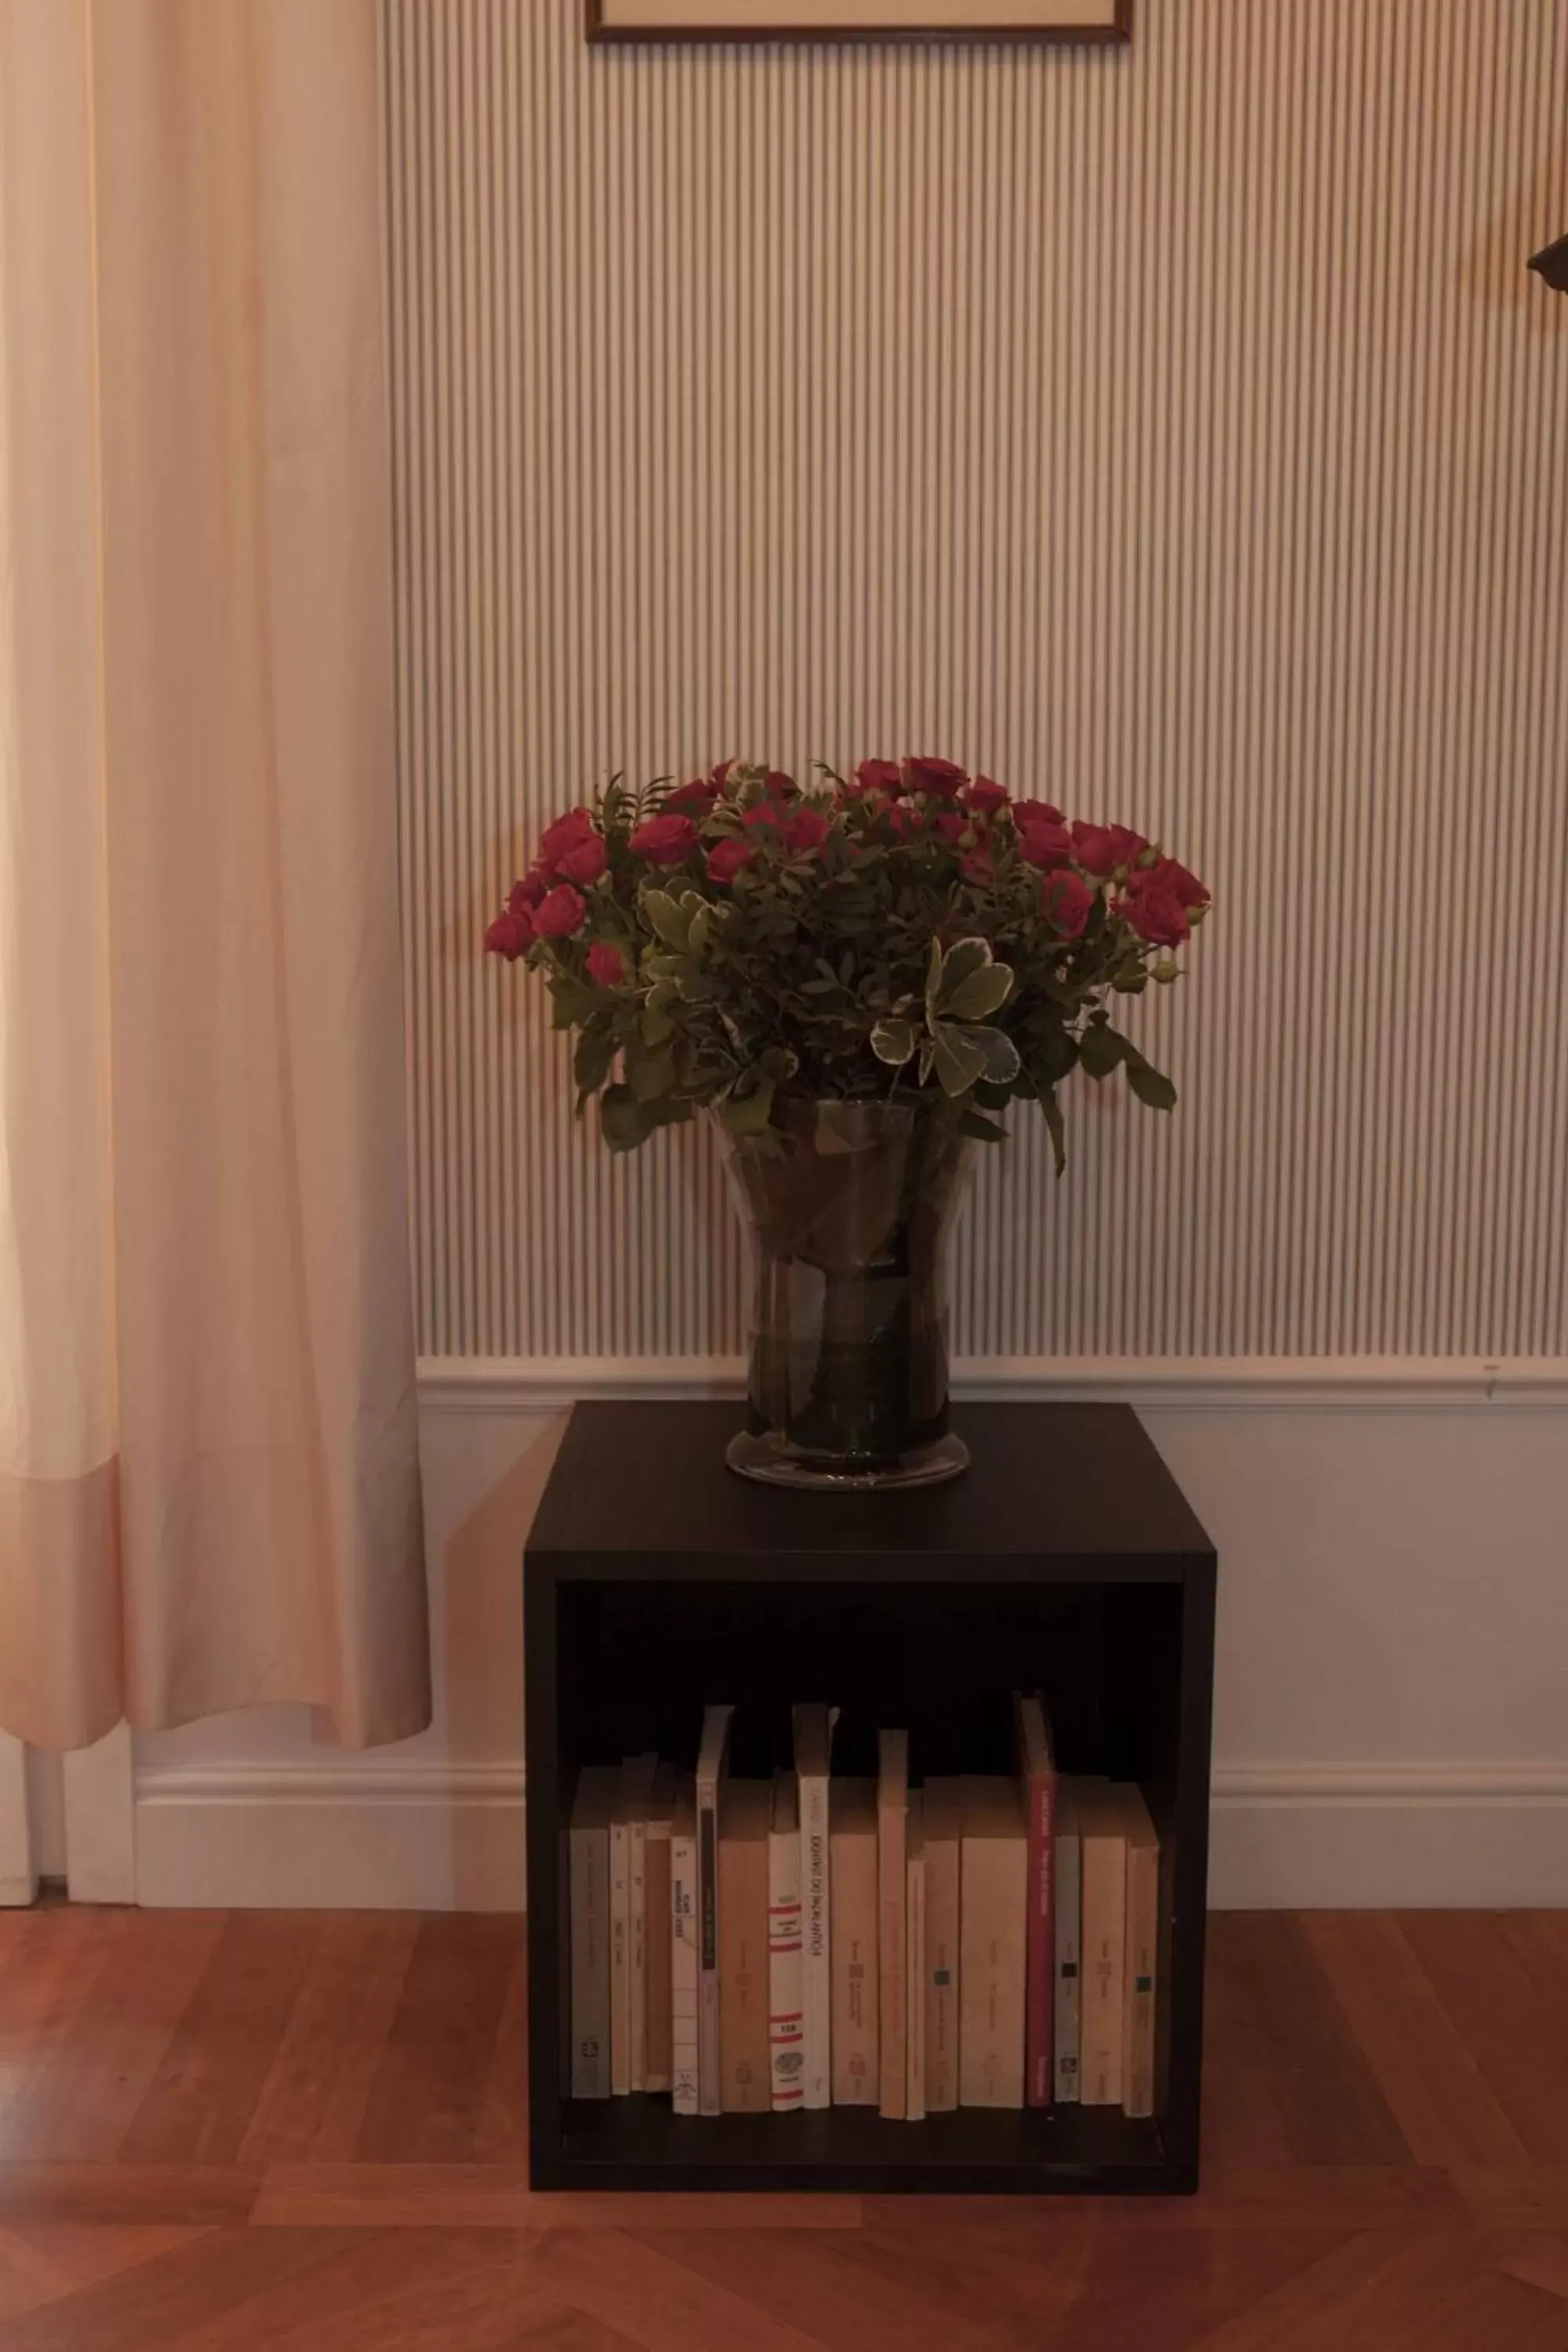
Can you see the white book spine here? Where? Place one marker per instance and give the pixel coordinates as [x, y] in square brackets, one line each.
[785, 1958]
[590, 1963]
[707, 2073]
[636, 1970]
[620, 1958]
[1069, 1964]
[683, 1926]
[817, 1958]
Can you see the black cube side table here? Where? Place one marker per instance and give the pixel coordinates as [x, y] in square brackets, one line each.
[1067, 1560]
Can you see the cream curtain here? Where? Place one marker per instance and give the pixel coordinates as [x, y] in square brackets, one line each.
[208, 1477]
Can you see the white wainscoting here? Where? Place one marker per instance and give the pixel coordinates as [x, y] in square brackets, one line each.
[1391, 1721]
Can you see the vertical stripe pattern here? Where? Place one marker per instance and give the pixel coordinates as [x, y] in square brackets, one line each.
[1173, 432]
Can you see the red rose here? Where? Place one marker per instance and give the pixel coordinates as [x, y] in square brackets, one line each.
[985, 796]
[904, 819]
[1102, 849]
[565, 834]
[586, 863]
[778, 785]
[607, 965]
[980, 865]
[718, 775]
[1156, 914]
[1173, 875]
[951, 824]
[561, 912]
[524, 896]
[880, 776]
[1065, 902]
[807, 831]
[1026, 813]
[694, 799]
[726, 859]
[1043, 844]
[762, 813]
[664, 840]
[936, 776]
[510, 935]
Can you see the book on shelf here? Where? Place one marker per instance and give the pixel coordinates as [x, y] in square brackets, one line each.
[658, 1951]
[685, 1927]
[812, 1734]
[1038, 1773]
[853, 1866]
[647, 1773]
[915, 1948]
[942, 1830]
[992, 1929]
[892, 1898]
[633, 1783]
[588, 1872]
[785, 2017]
[745, 2073]
[1067, 1902]
[712, 1761]
[1102, 1838]
[1139, 1967]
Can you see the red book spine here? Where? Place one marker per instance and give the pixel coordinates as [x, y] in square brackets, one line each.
[1039, 1970]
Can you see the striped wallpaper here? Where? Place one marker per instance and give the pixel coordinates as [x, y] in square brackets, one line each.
[1174, 432]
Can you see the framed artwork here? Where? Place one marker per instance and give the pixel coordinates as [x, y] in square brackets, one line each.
[858, 20]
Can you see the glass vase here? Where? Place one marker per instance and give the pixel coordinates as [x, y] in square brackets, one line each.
[850, 1207]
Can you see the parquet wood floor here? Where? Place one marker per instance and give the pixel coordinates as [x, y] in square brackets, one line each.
[305, 2132]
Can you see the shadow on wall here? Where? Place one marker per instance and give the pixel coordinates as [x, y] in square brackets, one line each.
[1495, 268]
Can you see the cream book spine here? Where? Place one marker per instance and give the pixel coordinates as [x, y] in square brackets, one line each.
[589, 1885]
[745, 2075]
[812, 1729]
[992, 1940]
[786, 2015]
[892, 1898]
[637, 1990]
[1069, 1956]
[683, 1941]
[915, 1944]
[711, 1763]
[1140, 1987]
[855, 2078]
[658, 1948]
[1103, 1844]
[942, 1824]
[621, 1938]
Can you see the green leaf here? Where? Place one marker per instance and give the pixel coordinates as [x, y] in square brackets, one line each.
[933, 978]
[650, 1074]
[957, 1057]
[984, 1129]
[1101, 1049]
[979, 995]
[697, 929]
[1001, 1054]
[893, 1042]
[573, 1002]
[591, 1061]
[1052, 1112]
[658, 1027]
[962, 960]
[672, 925]
[1151, 1087]
[746, 1114]
[624, 1122]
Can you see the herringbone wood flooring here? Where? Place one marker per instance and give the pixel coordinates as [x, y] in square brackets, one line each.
[221, 2132]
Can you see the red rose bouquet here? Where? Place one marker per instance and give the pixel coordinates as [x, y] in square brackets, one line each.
[747, 945]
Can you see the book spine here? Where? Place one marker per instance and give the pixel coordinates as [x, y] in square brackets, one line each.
[683, 1923]
[914, 2004]
[855, 2061]
[590, 1898]
[941, 1975]
[1100, 2021]
[659, 1953]
[708, 2093]
[1041, 1941]
[786, 2021]
[817, 1969]
[1068, 1958]
[745, 2070]
[892, 1947]
[620, 1958]
[636, 1989]
[1142, 1922]
[994, 1937]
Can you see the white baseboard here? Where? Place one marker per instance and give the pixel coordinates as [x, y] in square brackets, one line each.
[451, 1837]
